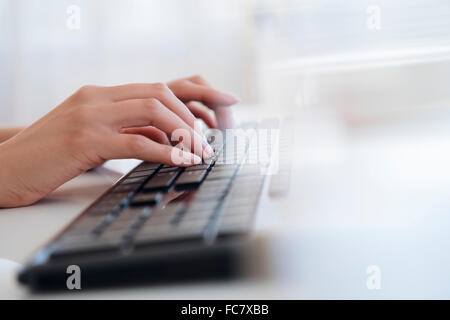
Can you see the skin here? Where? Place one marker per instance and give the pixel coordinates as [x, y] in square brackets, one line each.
[8, 133]
[96, 124]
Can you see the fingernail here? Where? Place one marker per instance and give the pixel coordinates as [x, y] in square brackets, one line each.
[208, 152]
[190, 158]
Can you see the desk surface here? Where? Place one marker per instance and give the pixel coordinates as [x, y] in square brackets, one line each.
[366, 207]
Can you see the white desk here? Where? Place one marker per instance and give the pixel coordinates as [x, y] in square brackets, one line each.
[377, 196]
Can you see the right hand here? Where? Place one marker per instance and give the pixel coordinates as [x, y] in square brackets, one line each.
[94, 125]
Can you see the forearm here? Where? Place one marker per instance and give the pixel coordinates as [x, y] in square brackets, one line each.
[27, 164]
[7, 133]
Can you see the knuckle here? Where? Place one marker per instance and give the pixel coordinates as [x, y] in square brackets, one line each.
[163, 89]
[137, 143]
[86, 92]
[184, 82]
[152, 109]
[161, 86]
[151, 105]
[197, 77]
[161, 136]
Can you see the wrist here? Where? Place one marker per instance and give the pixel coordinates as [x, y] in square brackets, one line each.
[11, 193]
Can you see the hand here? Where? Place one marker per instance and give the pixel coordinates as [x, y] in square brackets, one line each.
[200, 98]
[100, 123]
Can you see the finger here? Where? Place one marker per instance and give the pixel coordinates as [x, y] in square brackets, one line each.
[133, 146]
[224, 116]
[159, 91]
[152, 133]
[199, 80]
[188, 91]
[151, 112]
[202, 112]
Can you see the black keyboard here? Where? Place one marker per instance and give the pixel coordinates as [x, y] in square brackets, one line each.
[156, 219]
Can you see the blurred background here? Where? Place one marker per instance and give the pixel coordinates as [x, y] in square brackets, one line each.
[353, 55]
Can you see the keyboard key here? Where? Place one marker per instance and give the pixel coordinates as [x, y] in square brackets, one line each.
[98, 229]
[168, 169]
[210, 188]
[162, 226]
[115, 197]
[190, 179]
[210, 194]
[107, 207]
[197, 214]
[218, 166]
[110, 201]
[147, 199]
[102, 211]
[169, 214]
[200, 206]
[187, 225]
[144, 173]
[114, 235]
[103, 208]
[221, 174]
[126, 188]
[199, 167]
[246, 210]
[147, 166]
[250, 170]
[175, 208]
[119, 226]
[161, 181]
[212, 183]
[130, 214]
[134, 180]
[85, 225]
[137, 223]
[167, 233]
[225, 168]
